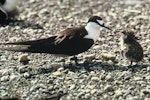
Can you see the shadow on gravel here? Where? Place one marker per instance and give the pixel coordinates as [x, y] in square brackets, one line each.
[21, 23]
[91, 66]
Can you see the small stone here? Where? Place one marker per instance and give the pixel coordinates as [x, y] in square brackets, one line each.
[95, 79]
[44, 11]
[109, 78]
[108, 88]
[23, 58]
[87, 95]
[3, 58]
[4, 78]
[5, 72]
[148, 69]
[80, 94]
[22, 69]
[96, 47]
[32, 1]
[13, 77]
[146, 91]
[93, 91]
[57, 73]
[72, 87]
[118, 93]
[108, 56]
[26, 75]
[138, 78]
[89, 57]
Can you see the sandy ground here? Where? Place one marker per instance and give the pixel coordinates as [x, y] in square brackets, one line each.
[94, 78]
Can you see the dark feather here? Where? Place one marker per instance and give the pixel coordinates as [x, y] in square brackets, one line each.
[134, 50]
[67, 42]
[3, 14]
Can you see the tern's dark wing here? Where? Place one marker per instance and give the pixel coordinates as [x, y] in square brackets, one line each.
[71, 37]
[3, 14]
[34, 46]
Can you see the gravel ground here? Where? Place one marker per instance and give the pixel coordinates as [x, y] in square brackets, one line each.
[47, 76]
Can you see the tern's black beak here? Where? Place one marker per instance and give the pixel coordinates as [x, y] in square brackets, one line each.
[106, 27]
[102, 25]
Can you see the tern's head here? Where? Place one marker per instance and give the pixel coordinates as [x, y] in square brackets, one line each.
[97, 22]
[128, 36]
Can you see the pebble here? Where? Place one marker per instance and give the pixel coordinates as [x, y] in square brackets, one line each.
[3, 58]
[118, 93]
[109, 78]
[87, 95]
[72, 87]
[138, 78]
[4, 78]
[108, 56]
[22, 69]
[108, 88]
[26, 75]
[57, 73]
[95, 79]
[23, 58]
[89, 57]
[14, 77]
[146, 91]
[93, 91]
[5, 72]
[96, 47]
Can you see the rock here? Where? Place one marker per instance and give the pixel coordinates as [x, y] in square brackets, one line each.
[119, 92]
[57, 73]
[3, 58]
[4, 78]
[14, 77]
[72, 87]
[133, 2]
[97, 47]
[108, 88]
[43, 11]
[93, 91]
[95, 78]
[5, 72]
[108, 56]
[146, 91]
[22, 69]
[26, 75]
[109, 78]
[89, 57]
[138, 78]
[23, 58]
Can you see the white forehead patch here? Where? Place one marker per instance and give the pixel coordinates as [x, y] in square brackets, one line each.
[101, 22]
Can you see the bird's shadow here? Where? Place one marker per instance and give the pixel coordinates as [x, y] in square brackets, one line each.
[91, 66]
[23, 24]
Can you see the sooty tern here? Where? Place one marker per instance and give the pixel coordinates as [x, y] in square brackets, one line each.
[70, 41]
[131, 49]
[6, 6]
